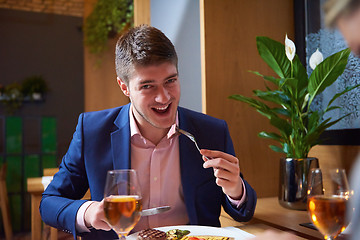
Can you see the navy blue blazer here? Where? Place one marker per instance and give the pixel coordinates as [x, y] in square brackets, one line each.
[101, 142]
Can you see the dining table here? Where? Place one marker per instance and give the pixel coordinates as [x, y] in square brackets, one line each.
[269, 215]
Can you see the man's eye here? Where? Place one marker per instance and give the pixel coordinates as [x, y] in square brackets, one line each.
[145, 87]
[171, 80]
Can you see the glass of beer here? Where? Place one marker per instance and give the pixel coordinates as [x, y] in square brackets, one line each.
[328, 200]
[122, 204]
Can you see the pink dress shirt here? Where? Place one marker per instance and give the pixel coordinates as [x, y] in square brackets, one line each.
[158, 167]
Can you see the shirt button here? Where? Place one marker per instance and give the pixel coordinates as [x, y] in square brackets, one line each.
[155, 179]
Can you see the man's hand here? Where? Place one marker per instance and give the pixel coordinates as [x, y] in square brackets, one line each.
[94, 216]
[226, 170]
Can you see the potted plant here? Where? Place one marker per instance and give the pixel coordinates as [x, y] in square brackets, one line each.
[108, 18]
[34, 87]
[299, 126]
[12, 97]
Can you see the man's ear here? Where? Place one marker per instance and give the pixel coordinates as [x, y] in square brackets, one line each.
[124, 88]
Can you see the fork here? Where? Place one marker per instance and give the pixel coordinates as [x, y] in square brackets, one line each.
[191, 137]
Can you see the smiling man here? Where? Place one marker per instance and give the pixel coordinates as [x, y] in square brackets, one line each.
[142, 135]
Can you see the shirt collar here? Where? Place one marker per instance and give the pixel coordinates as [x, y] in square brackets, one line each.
[134, 129]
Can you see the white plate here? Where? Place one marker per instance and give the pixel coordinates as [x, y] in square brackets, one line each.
[236, 233]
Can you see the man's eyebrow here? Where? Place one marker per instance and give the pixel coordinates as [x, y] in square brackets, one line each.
[146, 81]
[173, 75]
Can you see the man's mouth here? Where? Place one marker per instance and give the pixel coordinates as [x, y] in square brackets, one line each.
[162, 109]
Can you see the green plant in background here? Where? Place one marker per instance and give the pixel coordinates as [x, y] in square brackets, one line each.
[109, 17]
[299, 127]
[34, 87]
[12, 97]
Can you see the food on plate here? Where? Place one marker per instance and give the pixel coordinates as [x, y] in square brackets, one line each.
[151, 234]
[204, 237]
[176, 234]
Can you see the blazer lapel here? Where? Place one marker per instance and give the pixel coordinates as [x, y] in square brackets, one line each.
[120, 140]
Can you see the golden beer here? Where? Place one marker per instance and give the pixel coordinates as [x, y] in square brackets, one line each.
[328, 213]
[122, 212]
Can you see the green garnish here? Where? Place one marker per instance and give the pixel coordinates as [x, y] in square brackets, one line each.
[175, 234]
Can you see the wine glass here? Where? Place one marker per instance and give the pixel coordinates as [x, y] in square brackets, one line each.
[123, 202]
[328, 197]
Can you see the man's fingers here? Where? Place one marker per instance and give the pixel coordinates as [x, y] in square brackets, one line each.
[222, 165]
[102, 225]
[218, 154]
[95, 217]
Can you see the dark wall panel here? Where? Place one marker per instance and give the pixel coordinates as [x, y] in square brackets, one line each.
[48, 45]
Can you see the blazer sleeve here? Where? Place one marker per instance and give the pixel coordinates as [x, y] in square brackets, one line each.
[247, 209]
[61, 199]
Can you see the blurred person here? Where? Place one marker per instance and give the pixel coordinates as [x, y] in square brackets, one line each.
[345, 15]
[142, 135]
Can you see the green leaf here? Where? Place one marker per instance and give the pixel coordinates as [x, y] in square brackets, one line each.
[332, 108]
[273, 96]
[300, 74]
[347, 89]
[282, 111]
[276, 149]
[335, 121]
[313, 121]
[271, 135]
[287, 149]
[260, 106]
[284, 127]
[327, 72]
[273, 53]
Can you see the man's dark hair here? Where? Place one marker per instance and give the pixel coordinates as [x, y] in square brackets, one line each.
[142, 46]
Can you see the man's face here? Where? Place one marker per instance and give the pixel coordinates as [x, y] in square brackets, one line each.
[154, 92]
[350, 28]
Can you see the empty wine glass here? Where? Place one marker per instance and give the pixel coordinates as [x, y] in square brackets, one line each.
[328, 196]
[122, 205]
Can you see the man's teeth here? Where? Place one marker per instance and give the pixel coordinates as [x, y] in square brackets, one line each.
[163, 108]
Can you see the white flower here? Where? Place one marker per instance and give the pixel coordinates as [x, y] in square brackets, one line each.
[289, 48]
[315, 59]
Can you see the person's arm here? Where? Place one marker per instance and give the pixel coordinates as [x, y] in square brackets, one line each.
[61, 199]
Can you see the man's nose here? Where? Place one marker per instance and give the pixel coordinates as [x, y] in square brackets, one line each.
[162, 95]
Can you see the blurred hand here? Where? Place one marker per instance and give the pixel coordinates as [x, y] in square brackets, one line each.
[226, 170]
[272, 235]
[94, 216]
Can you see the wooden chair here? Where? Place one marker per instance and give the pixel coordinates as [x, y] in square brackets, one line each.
[4, 203]
[51, 172]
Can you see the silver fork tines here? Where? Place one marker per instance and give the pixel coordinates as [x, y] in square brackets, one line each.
[191, 137]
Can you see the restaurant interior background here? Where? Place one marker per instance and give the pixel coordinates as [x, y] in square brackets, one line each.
[216, 44]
